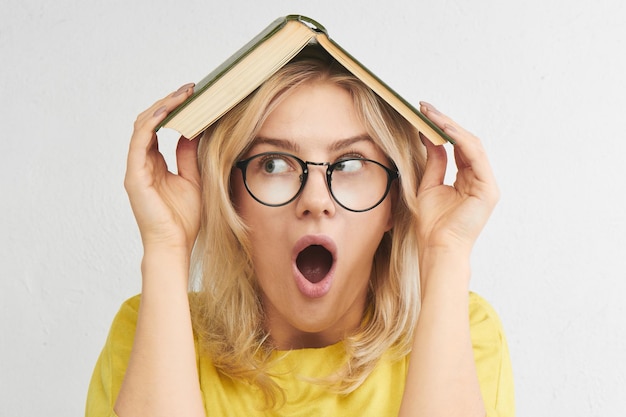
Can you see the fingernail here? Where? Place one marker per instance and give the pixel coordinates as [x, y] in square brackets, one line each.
[429, 107]
[183, 89]
[449, 128]
[159, 111]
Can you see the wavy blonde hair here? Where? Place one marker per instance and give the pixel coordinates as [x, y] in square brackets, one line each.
[228, 314]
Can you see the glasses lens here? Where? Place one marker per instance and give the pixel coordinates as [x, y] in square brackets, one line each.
[273, 179]
[359, 184]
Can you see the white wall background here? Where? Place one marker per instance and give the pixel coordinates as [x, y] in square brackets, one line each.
[542, 82]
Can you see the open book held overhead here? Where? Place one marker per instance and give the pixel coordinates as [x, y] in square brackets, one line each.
[259, 59]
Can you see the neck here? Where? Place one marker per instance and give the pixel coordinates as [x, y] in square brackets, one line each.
[285, 336]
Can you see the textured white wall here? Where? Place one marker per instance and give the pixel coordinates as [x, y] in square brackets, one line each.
[542, 82]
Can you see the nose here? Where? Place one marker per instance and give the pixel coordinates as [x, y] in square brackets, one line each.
[315, 199]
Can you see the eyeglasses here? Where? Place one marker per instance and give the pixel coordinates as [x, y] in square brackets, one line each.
[275, 179]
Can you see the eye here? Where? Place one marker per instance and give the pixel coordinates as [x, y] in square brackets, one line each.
[349, 165]
[275, 164]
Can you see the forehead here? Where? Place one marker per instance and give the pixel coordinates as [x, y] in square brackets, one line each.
[314, 113]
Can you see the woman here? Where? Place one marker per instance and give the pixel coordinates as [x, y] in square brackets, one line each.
[333, 264]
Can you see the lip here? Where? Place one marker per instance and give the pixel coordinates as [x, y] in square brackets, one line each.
[307, 288]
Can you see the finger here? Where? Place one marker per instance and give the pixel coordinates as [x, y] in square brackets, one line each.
[144, 138]
[187, 159]
[149, 119]
[437, 117]
[469, 153]
[473, 166]
[170, 102]
[468, 149]
[436, 163]
[141, 143]
[459, 159]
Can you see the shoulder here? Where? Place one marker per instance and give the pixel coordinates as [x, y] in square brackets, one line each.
[109, 370]
[483, 317]
[125, 320]
[121, 336]
[122, 331]
[486, 329]
[491, 355]
[130, 307]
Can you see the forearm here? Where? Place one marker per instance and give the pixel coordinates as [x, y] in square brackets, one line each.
[442, 378]
[162, 377]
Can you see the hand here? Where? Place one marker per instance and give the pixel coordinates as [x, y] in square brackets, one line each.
[166, 206]
[451, 217]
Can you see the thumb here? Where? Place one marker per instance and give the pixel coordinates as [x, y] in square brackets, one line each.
[187, 159]
[436, 164]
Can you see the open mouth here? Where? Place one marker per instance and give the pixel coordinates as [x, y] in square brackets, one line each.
[314, 263]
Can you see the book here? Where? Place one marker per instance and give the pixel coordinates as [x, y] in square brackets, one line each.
[259, 59]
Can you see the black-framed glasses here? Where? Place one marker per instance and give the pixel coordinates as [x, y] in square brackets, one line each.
[357, 184]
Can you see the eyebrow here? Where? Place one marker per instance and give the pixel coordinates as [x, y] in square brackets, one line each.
[289, 145]
[284, 144]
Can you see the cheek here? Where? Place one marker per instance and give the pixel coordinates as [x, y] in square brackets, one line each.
[259, 219]
[368, 238]
[384, 216]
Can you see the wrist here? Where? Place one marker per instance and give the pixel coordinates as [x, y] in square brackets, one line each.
[165, 267]
[167, 247]
[444, 272]
[447, 257]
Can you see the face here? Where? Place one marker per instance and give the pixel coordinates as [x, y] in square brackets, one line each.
[313, 258]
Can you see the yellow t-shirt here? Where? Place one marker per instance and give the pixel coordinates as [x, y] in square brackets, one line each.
[380, 394]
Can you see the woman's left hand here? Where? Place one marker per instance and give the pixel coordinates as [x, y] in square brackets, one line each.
[442, 378]
[452, 217]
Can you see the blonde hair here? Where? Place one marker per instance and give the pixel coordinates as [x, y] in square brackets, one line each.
[227, 312]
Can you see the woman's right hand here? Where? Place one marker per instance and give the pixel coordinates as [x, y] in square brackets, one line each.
[161, 378]
[166, 205]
